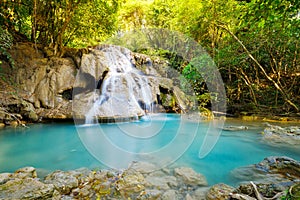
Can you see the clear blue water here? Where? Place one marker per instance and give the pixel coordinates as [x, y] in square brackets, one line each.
[54, 146]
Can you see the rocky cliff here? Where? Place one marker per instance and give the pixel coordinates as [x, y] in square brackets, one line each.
[41, 86]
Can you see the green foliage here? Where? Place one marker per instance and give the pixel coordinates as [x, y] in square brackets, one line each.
[269, 29]
[132, 14]
[162, 14]
[59, 23]
[6, 42]
[92, 23]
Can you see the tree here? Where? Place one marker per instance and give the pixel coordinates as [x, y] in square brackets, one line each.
[92, 23]
[265, 48]
[57, 23]
[133, 14]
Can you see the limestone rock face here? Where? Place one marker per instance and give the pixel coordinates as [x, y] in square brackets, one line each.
[47, 80]
[110, 85]
[127, 84]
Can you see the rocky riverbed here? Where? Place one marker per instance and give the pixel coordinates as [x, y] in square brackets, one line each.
[272, 177]
[277, 135]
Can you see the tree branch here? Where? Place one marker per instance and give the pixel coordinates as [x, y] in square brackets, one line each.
[4, 111]
[277, 86]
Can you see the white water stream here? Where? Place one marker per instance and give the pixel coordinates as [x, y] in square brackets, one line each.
[123, 83]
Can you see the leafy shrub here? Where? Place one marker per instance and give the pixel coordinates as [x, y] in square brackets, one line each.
[6, 41]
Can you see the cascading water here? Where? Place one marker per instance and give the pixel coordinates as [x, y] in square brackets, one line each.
[125, 92]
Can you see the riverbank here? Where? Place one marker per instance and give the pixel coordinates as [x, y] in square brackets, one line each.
[284, 121]
[272, 177]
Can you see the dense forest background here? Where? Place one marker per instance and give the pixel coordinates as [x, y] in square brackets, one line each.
[255, 44]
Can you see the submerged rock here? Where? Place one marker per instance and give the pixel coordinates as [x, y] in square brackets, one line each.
[161, 181]
[278, 135]
[235, 128]
[143, 167]
[190, 177]
[272, 176]
[270, 170]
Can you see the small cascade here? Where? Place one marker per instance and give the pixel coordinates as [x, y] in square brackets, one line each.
[125, 92]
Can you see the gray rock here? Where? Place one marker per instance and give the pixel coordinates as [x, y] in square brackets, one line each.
[143, 167]
[150, 194]
[234, 128]
[27, 188]
[131, 184]
[64, 182]
[276, 135]
[114, 108]
[190, 177]
[200, 193]
[4, 177]
[28, 111]
[219, 192]
[47, 83]
[26, 172]
[161, 181]
[265, 190]
[189, 197]
[124, 91]
[272, 175]
[170, 195]
[270, 170]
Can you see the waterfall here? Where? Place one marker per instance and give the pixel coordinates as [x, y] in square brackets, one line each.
[125, 92]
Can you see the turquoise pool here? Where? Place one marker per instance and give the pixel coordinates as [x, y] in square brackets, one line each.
[66, 146]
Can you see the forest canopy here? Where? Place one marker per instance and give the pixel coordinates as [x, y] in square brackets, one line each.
[255, 44]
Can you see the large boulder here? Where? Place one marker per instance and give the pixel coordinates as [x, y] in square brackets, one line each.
[111, 86]
[26, 189]
[64, 182]
[24, 184]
